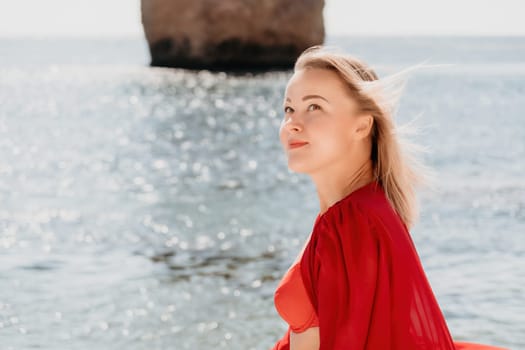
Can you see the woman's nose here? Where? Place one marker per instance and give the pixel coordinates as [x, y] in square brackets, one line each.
[292, 124]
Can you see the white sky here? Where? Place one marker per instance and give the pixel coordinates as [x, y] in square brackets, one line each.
[108, 18]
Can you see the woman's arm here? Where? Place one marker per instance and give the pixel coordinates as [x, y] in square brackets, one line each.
[307, 340]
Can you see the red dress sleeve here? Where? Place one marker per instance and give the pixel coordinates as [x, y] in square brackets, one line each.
[350, 281]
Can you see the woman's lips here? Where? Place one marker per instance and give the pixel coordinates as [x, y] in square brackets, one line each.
[296, 144]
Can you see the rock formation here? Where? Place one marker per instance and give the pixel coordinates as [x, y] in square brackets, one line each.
[231, 34]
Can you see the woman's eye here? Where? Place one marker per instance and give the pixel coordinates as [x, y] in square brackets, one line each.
[288, 109]
[313, 107]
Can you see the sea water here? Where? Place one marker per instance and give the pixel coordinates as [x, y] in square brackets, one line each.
[151, 208]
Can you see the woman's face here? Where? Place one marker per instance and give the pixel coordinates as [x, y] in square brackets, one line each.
[321, 129]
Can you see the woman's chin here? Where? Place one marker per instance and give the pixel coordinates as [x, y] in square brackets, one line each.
[298, 167]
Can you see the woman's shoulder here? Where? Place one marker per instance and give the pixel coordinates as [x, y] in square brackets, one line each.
[366, 200]
[367, 208]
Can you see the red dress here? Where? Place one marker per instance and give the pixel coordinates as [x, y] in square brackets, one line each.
[360, 280]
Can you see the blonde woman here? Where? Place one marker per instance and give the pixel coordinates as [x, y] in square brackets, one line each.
[358, 283]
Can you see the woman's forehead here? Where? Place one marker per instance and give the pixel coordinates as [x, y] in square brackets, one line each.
[315, 81]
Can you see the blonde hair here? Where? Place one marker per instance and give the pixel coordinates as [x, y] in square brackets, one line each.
[395, 168]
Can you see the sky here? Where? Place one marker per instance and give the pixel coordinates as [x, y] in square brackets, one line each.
[121, 18]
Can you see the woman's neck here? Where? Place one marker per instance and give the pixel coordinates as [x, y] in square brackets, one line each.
[331, 188]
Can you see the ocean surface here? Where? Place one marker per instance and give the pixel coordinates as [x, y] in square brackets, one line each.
[151, 208]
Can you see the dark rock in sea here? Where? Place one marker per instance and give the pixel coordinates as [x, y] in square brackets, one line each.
[235, 35]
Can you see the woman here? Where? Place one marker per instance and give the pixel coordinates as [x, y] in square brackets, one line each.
[358, 283]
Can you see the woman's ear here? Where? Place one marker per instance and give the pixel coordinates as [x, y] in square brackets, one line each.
[364, 125]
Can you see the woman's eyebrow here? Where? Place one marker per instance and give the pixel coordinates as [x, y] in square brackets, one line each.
[308, 97]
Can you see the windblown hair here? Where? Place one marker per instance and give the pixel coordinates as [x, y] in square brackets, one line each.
[395, 168]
